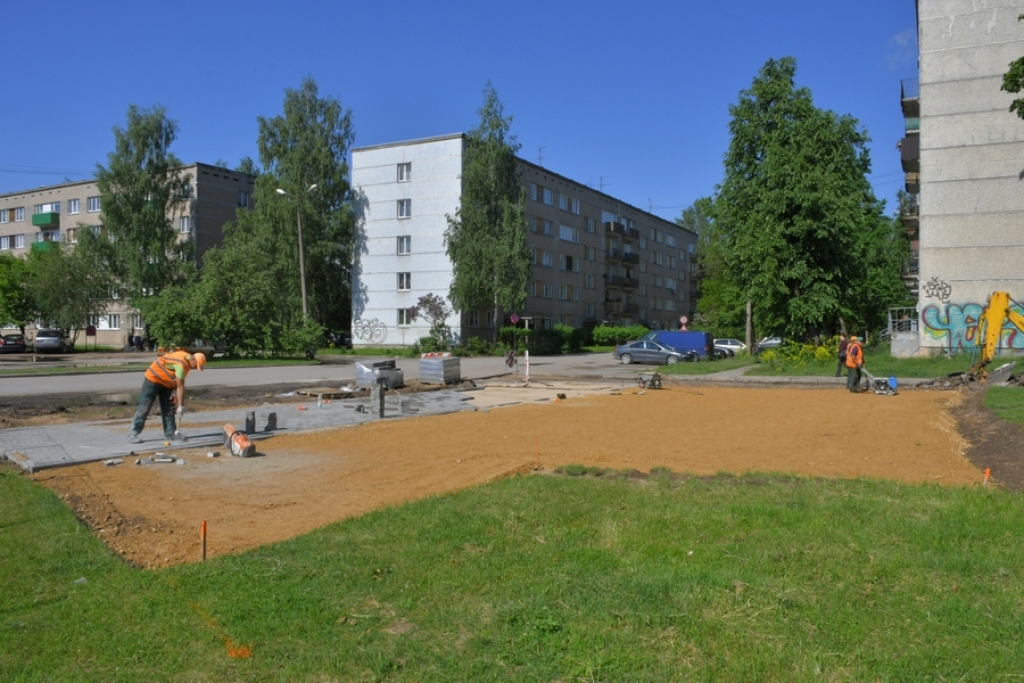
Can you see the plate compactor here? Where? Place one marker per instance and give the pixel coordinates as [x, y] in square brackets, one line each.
[886, 386]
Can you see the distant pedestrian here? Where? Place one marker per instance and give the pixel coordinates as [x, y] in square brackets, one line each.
[842, 355]
[854, 363]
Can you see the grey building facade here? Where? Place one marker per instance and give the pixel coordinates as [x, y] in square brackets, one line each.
[59, 212]
[964, 161]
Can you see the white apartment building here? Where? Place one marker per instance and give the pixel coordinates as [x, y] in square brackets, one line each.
[596, 259]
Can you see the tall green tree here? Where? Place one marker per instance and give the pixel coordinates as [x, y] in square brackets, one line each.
[486, 238]
[67, 285]
[794, 205]
[16, 302]
[721, 303]
[142, 190]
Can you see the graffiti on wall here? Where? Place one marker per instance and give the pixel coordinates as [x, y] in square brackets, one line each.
[370, 331]
[956, 325]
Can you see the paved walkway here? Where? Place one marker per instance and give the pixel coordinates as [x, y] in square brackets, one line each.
[35, 448]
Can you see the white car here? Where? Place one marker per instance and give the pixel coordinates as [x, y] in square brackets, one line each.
[734, 345]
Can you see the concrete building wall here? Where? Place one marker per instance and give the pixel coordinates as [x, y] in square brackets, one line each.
[216, 194]
[972, 159]
[596, 259]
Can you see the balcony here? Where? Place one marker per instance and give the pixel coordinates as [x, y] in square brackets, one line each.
[912, 266]
[912, 182]
[49, 219]
[631, 258]
[910, 97]
[614, 281]
[630, 283]
[615, 229]
[910, 154]
[910, 213]
[613, 255]
[630, 308]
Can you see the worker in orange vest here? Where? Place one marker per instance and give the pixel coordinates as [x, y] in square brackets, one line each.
[854, 362]
[165, 381]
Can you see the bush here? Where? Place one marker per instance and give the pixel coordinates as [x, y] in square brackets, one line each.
[604, 335]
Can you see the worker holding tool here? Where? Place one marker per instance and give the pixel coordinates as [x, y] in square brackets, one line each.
[165, 381]
[854, 363]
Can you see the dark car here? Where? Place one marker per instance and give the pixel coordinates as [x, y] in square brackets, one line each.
[646, 351]
[51, 340]
[721, 352]
[207, 347]
[13, 343]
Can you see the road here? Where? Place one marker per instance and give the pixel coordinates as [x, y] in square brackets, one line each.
[578, 366]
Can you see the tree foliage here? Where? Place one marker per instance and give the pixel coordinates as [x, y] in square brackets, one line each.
[486, 238]
[435, 310]
[1013, 82]
[142, 189]
[16, 303]
[795, 222]
[67, 285]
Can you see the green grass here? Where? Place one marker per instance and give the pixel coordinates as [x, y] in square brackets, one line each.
[879, 363]
[1007, 403]
[545, 578]
[707, 367]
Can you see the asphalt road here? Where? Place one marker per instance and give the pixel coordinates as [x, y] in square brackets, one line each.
[579, 366]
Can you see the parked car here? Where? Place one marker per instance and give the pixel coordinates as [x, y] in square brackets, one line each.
[209, 347]
[722, 352]
[734, 345]
[13, 343]
[770, 343]
[51, 340]
[645, 351]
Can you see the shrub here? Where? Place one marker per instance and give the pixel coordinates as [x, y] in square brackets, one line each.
[604, 335]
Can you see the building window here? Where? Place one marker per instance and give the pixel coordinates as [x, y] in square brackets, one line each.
[53, 207]
[546, 259]
[405, 281]
[589, 282]
[563, 202]
[19, 241]
[563, 292]
[546, 290]
[72, 235]
[643, 242]
[185, 224]
[404, 244]
[93, 204]
[48, 236]
[670, 240]
[113, 321]
[404, 208]
[575, 293]
[72, 206]
[5, 243]
[473, 319]
[404, 317]
[5, 215]
[534, 287]
[137, 320]
[643, 289]
[566, 262]
[591, 225]
[533, 191]
[547, 228]
[490, 319]
[568, 234]
[548, 197]
[243, 199]
[659, 259]
[643, 266]
[405, 172]
[590, 253]
[590, 310]
[19, 214]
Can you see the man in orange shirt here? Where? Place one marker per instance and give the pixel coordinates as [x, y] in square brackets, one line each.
[854, 363]
[165, 381]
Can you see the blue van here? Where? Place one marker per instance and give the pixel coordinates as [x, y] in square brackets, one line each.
[701, 343]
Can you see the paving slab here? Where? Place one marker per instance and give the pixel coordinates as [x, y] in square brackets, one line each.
[37, 448]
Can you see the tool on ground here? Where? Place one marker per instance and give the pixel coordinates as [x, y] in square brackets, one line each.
[885, 386]
[180, 415]
[238, 443]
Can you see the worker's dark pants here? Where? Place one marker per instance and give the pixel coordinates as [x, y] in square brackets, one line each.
[149, 394]
[853, 378]
[840, 365]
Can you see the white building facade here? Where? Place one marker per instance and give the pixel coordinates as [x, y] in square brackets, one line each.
[596, 259]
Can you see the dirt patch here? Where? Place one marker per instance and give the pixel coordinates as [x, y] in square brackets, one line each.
[151, 515]
[994, 443]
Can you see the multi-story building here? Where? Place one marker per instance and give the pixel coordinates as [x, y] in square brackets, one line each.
[964, 161]
[58, 212]
[595, 258]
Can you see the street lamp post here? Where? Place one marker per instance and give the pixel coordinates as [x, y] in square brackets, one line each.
[302, 252]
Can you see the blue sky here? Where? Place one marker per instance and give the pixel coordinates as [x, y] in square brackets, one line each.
[634, 95]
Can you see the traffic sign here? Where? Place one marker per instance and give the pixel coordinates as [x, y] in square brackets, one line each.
[514, 318]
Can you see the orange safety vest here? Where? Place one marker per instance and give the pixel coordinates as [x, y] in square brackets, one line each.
[162, 369]
[854, 354]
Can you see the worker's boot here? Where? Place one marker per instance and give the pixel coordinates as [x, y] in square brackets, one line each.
[134, 438]
[177, 437]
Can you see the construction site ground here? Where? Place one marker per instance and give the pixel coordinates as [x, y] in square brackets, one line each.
[151, 515]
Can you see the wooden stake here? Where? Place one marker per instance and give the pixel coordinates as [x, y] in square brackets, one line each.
[202, 537]
[988, 471]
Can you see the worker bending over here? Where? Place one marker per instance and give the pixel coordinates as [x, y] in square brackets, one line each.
[165, 380]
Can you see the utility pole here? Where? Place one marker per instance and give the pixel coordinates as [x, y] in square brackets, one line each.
[540, 156]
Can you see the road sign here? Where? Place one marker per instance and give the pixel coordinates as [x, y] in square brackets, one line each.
[514, 318]
[510, 358]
